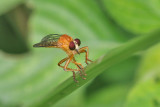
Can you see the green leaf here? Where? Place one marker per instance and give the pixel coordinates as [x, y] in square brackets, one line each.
[112, 96]
[137, 16]
[125, 75]
[150, 64]
[126, 70]
[71, 18]
[75, 99]
[25, 79]
[144, 94]
[99, 65]
[7, 5]
[146, 91]
[14, 27]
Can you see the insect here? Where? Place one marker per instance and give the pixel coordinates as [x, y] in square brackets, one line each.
[71, 47]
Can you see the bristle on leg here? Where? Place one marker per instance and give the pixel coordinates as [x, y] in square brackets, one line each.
[74, 77]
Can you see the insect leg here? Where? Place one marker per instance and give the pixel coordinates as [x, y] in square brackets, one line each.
[81, 69]
[74, 77]
[62, 61]
[86, 50]
[68, 61]
[79, 65]
[81, 75]
[67, 69]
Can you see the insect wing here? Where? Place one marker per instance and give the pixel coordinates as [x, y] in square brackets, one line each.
[49, 41]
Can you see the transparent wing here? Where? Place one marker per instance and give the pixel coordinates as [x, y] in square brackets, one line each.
[48, 41]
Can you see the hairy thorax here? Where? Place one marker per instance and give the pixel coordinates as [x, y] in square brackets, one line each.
[64, 42]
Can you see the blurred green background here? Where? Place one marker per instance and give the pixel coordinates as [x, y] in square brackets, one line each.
[28, 73]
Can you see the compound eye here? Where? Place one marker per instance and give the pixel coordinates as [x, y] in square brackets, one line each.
[78, 41]
[72, 46]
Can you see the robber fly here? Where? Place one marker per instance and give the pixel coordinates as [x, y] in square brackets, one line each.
[71, 47]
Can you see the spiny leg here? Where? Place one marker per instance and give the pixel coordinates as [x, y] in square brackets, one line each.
[69, 69]
[82, 50]
[81, 75]
[62, 61]
[79, 65]
[68, 61]
[74, 77]
[80, 69]
[66, 69]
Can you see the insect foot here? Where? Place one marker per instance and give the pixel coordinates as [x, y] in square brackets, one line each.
[81, 75]
[84, 78]
[85, 74]
[74, 77]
